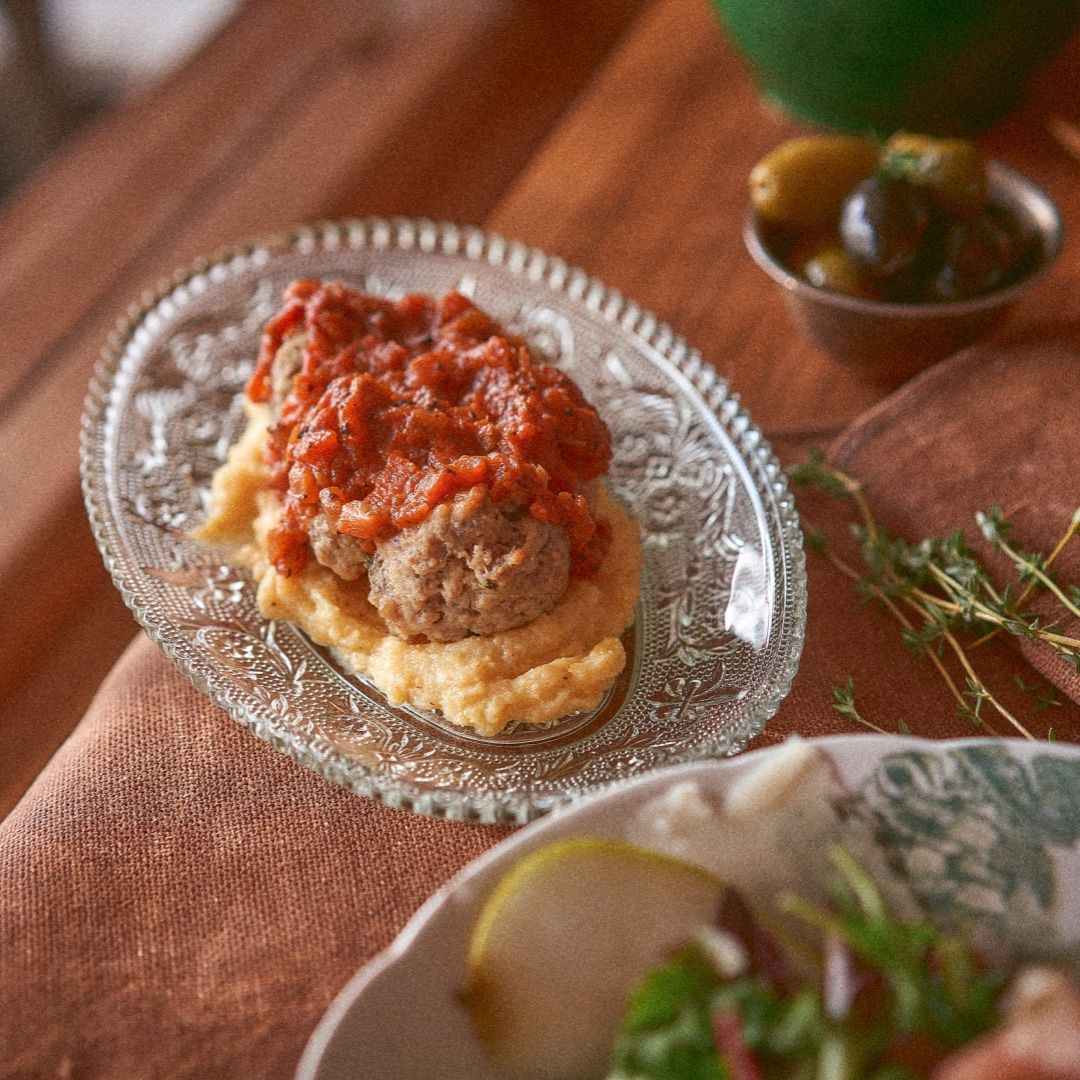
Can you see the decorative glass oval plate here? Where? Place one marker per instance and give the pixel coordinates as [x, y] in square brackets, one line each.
[720, 623]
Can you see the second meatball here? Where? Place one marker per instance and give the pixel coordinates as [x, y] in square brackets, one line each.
[472, 566]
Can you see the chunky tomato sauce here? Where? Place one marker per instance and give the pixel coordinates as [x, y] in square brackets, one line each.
[399, 405]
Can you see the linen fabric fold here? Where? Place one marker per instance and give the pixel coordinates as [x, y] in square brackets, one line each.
[179, 899]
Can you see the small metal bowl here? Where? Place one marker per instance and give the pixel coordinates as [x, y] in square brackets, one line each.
[889, 342]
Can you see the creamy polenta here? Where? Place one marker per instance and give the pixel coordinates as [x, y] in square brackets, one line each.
[559, 663]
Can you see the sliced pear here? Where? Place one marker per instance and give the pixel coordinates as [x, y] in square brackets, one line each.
[562, 941]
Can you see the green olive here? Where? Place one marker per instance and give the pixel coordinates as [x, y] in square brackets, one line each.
[803, 182]
[951, 171]
[820, 259]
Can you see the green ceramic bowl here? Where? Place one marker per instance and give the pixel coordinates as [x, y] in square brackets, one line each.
[876, 66]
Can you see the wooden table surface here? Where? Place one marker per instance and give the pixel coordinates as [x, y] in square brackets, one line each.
[616, 134]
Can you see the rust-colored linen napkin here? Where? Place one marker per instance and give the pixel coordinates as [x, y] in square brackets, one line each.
[179, 900]
[993, 425]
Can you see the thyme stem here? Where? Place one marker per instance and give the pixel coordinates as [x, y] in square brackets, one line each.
[904, 621]
[943, 582]
[965, 663]
[988, 614]
[1043, 578]
[1029, 588]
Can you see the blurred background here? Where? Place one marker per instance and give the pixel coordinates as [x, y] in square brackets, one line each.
[61, 61]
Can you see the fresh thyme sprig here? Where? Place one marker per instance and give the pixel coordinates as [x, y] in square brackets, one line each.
[844, 704]
[1044, 696]
[942, 595]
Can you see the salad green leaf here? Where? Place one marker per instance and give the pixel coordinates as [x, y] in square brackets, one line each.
[886, 1000]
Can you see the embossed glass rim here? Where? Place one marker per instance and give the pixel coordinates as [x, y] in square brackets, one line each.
[531, 266]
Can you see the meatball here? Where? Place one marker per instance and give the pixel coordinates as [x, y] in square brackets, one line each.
[335, 550]
[472, 566]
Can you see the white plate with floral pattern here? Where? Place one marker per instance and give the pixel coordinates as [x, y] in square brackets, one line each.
[978, 833]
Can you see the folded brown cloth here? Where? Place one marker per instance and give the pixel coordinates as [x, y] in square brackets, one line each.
[179, 900]
[992, 427]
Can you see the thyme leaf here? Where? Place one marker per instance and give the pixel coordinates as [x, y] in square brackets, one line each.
[954, 604]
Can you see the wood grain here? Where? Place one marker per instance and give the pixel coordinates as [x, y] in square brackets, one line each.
[645, 187]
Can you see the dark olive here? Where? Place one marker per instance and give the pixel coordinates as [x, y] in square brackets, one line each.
[951, 171]
[802, 183]
[883, 226]
[978, 257]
